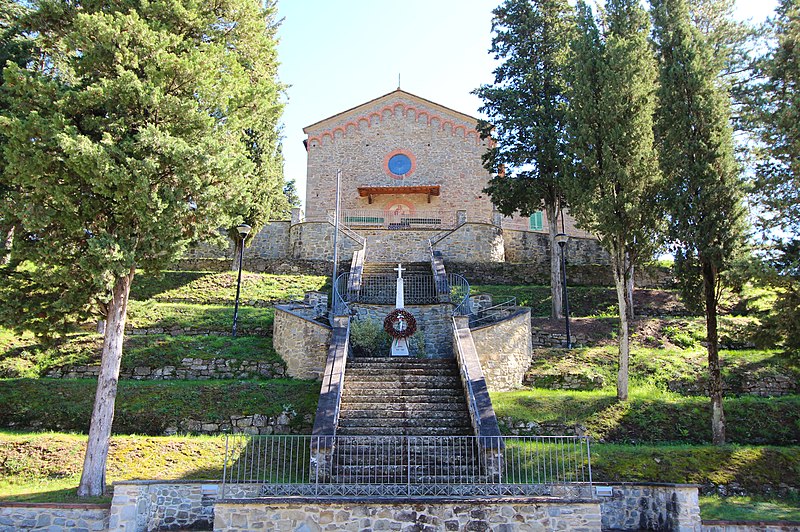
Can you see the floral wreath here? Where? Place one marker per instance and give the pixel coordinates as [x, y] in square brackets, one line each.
[400, 315]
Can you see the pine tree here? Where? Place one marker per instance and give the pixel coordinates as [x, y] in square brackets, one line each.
[697, 159]
[614, 189]
[129, 138]
[527, 108]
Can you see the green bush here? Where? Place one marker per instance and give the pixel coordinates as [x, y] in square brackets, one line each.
[368, 338]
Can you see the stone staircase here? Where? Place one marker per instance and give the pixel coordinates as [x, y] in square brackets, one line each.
[404, 420]
[403, 397]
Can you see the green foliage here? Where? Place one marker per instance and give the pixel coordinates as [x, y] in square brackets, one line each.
[150, 407]
[614, 188]
[777, 185]
[527, 105]
[157, 112]
[368, 337]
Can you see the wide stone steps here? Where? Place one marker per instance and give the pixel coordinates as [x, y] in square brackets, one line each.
[401, 395]
[390, 409]
[430, 430]
[429, 479]
[388, 268]
[387, 396]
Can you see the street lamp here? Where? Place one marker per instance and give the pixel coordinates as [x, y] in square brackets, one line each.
[243, 230]
[561, 240]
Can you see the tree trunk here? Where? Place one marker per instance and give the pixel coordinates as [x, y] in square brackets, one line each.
[629, 289]
[714, 374]
[556, 275]
[621, 284]
[7, 234]
[93, 477]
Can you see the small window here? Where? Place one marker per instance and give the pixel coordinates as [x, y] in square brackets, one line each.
[536, 221]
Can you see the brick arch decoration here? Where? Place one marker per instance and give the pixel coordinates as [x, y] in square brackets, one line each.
[403, 110]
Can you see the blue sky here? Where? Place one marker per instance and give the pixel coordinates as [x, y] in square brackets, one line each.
[336, 54]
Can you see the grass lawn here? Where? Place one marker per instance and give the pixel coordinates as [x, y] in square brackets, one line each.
[31, 359]
[258, 289]
[150, 407]
[150, 315]
[651, 415]
[672, 367]
[714, 507]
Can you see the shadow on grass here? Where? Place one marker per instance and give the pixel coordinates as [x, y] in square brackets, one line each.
[148, 285]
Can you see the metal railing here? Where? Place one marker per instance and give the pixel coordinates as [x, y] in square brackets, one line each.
[420, 219]
[419, 289]
[496, 312]
[403, 465]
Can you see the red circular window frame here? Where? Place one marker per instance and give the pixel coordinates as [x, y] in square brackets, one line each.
[399, 152]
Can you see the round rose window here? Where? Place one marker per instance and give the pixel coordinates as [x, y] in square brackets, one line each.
[399, 164]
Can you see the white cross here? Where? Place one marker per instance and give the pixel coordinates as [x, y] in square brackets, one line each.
[399, 270]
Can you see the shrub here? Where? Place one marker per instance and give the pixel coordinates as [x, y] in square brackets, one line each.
[368, 338]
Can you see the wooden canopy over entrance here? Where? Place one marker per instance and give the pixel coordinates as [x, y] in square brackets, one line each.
[369, 192]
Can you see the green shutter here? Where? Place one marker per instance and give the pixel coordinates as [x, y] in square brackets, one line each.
[536, 221]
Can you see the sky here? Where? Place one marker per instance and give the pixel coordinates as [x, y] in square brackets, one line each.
[337, 54]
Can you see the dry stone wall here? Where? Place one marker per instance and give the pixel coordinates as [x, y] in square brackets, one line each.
[672, 507]
[188, 369]
[301, 341]
[504, 515]
[16, 517]
[504, 350]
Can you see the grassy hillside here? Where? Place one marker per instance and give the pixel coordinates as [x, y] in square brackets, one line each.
[661, 434]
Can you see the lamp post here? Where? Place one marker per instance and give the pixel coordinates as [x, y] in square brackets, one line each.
[561, 240]
[243, 230]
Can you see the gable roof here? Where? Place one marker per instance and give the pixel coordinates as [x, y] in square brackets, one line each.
[386, 97]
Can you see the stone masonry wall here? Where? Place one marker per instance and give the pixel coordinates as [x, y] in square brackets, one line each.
[271, 242]
[668, 507]
[473, 242]
[534, 247]
[443, 145]
[15, 517]
[433, 323]
[188, 369]
[504, 350]
[495, 515]
[301, 342]
[151, 505]
[314, 241]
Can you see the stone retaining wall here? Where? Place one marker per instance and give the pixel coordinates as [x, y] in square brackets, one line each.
[300, 341]
[669, 507]
[188, 369]
[150, 505]
[433, 323]
[473, 242]
[407, 514]
[504, 350]
[538, 273]
[534, 247]
[53, 517]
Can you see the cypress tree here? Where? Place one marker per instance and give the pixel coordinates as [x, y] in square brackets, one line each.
[697, 158]
[131, 137]
[613, 191]
[527, 108]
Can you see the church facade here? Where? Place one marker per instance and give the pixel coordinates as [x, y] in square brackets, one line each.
[411, 179]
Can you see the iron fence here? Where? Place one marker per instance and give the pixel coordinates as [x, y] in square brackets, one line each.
[496, 312]
[403, 465]
[418, 289]
[420, 219]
